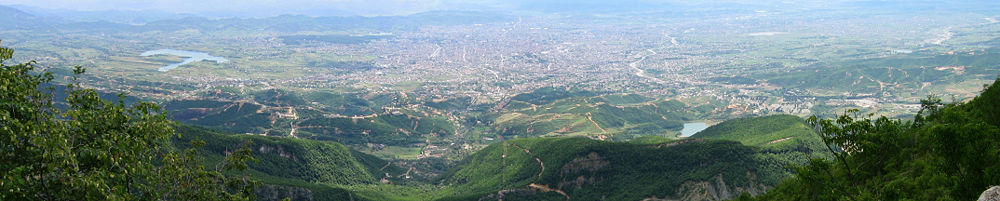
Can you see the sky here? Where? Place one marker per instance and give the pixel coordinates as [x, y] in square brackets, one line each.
[344, 7]
[318, 7]
[266, 8]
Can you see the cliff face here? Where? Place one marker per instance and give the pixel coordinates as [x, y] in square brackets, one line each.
[276, 192]
[716, 189]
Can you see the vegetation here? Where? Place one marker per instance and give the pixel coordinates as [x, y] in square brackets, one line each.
[900, 74]
[769, 131]
[557, 112]
[307, 160]
[287, 165]
[96, 149]
[587, 169]
[947, 152]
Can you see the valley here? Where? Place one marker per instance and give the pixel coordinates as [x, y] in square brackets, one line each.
[695, 102]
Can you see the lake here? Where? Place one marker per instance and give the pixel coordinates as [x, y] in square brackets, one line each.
[190, 56]
[692, 128]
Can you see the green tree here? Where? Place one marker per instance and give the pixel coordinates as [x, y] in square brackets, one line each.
[95, 149]
[947, 152]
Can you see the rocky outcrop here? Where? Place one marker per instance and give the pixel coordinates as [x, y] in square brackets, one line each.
[280, 151]
[592, 162]
[713, 189]
[991, 194]
[276, 192]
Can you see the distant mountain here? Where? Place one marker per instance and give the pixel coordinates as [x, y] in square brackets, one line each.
[127, 22]
[15, 19]
[114, 16]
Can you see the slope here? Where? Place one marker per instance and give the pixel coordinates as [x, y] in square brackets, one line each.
[777, 131]
[584, 169]
[300, 169]
[554, 112]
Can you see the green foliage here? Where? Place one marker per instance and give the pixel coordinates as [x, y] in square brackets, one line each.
[948, 152]
[5, 53]
[96, 149]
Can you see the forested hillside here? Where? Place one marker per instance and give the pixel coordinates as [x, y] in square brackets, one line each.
[584, 169]
[295, 168]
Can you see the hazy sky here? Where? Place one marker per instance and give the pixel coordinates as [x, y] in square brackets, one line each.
[364, 7]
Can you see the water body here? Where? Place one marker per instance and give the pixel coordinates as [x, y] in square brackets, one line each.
[767, 33]
[692, 128]
[901, 51]
[190, 56]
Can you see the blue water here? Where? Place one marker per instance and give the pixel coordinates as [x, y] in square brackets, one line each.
[190, 56]
[692, 128]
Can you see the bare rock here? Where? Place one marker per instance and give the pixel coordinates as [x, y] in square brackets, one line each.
[992, 194]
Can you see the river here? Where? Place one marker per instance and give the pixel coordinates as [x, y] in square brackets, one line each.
[190, 56]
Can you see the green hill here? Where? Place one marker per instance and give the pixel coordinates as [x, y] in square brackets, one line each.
[769, 131]
[781, 137]
[344, 117]
[584, 169]
[551, 112]
[300, 169]
[229, 116]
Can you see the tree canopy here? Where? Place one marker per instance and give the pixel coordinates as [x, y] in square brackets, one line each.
[88, 148]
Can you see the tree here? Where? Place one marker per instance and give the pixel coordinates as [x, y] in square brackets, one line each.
[947, 152]
[87, 148]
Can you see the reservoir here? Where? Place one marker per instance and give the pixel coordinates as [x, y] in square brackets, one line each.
[692, 128]
[189, 57]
